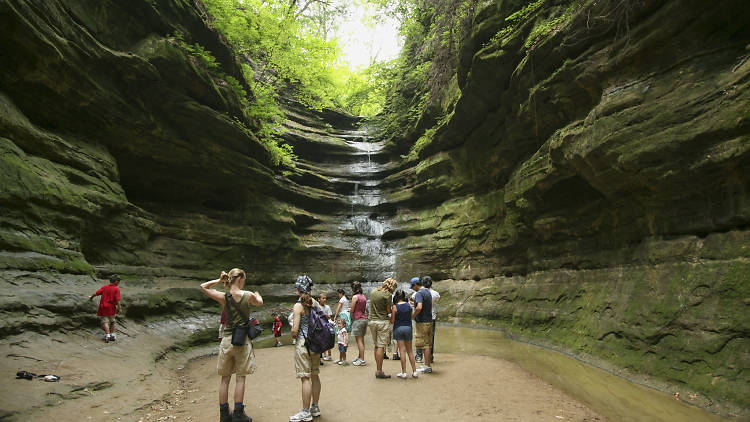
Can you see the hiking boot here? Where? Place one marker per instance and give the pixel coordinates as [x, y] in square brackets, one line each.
[302, 415]
[239, 415]
[225, 416]
[314, 411]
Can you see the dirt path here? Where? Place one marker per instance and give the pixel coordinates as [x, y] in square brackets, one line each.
[462, 388]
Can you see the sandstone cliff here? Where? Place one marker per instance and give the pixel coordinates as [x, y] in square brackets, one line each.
[586, 185]
[589, 184]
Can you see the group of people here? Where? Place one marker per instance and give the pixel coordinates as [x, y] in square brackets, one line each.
[389, 318]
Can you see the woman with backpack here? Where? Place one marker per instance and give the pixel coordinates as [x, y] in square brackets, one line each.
[306, 363]
[238, 360]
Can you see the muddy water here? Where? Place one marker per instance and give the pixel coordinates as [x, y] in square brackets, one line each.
[611, 396]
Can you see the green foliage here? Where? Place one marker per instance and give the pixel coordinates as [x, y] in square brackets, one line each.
[202, 57]
[543, 27]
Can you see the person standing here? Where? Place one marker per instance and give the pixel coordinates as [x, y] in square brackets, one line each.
[402, 332]
[418, 357]
[379, 322]
[277, 329]
[427, 282]
[342, 309]
[109, 306]
[422, 315]
[237, 360]
[343, 341]
[359, 322]
[306, 363]
[326, 310]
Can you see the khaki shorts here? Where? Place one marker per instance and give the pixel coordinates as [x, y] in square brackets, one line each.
[381, 332]
[423, 335]
[305, 364]
[238, 360]
[359, 327]
[108, 319]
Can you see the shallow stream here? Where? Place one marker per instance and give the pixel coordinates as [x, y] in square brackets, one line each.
[608, 394]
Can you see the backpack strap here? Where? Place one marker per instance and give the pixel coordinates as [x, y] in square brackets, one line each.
[228, 298]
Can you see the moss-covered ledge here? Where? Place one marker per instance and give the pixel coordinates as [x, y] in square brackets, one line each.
[683, 324]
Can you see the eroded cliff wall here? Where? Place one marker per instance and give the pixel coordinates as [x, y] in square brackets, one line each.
[588, 187]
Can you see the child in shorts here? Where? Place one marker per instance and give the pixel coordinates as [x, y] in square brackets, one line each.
[277, 329]
[343, 341]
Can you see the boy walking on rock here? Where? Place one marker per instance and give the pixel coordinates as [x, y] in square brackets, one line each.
[109, 306]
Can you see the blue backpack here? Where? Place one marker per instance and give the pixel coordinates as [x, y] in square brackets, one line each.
[321, 335]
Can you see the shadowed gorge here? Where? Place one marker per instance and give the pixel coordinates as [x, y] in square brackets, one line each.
[575, 173]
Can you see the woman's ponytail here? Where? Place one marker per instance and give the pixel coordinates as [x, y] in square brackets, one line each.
[233, 275]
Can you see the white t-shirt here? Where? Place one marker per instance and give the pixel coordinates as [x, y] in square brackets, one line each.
[342, 336]
[435, 298]
[344, 304]
[327, 310]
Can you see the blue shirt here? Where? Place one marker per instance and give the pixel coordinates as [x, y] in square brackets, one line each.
[425, 298]
[403, 316]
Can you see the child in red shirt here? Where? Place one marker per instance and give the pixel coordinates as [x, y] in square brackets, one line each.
[277, 329]
[109, 306]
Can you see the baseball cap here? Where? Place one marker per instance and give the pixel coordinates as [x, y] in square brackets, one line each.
[414, 281]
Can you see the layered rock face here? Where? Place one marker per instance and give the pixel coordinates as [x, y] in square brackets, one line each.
[590, 192]
[594, 183]
[121, 152]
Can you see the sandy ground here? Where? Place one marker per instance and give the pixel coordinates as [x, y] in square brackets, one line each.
[461, 388]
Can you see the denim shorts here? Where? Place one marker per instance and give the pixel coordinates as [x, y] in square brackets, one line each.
[342, 348]
[402, 333]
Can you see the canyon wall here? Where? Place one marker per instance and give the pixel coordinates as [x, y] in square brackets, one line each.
[588, 187]
[585, 186]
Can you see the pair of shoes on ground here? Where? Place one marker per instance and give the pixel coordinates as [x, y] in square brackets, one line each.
[359, 362]
[306, 415]
[425, 370]
[404, 375]
[237, 416]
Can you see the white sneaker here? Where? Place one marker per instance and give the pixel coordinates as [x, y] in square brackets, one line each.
[314, 411]
[303, 415]
[415, 375]
[401, 375]
[359, 362]
[327, 358]
[425, 370]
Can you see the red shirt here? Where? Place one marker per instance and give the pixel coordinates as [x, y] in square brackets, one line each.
[110, 296]
[277, 325]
